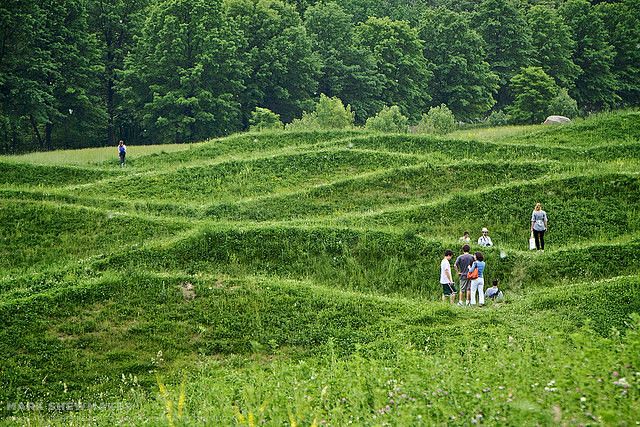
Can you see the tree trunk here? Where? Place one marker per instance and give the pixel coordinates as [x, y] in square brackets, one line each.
[111, 135]
[14, 140]
[34, 125]
[47, 134]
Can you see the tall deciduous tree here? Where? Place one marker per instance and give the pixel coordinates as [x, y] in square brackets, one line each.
[462, 78]
[283, 68]
[26, 100]
[622, 21]
[503, 26]
[183, 78]
[115, 23]
[533, 92]
[553, 45]
[595, 88]
[397, 50]
[50, 74]
[348, 71]
[80, 113]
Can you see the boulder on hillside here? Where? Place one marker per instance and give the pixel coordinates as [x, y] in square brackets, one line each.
[557, 120]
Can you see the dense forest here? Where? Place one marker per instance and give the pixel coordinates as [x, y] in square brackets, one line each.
[79, 73]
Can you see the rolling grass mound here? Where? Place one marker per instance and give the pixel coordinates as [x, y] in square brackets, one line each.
[37, 235]
[586, 208]
[17, 174]
[603, 129]
[245, 145]
[292, 279]
[243, 178]
[377, 190]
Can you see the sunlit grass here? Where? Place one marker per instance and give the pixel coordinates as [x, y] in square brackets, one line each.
[497, 133]
[92, 156]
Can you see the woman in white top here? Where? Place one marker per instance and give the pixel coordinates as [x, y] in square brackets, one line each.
[539, 226]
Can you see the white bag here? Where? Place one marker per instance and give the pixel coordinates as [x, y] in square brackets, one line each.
[532, 243]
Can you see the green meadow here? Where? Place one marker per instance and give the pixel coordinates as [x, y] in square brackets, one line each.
[293, 279]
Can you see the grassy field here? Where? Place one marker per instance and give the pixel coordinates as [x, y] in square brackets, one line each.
[106, 156]
[292, 279]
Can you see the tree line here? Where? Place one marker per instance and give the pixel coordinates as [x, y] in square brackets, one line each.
[78, 73]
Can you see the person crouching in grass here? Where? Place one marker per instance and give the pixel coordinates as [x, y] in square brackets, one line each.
[448, 287]
[494, 293]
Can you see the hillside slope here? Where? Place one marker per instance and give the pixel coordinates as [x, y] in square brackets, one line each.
[292, 278]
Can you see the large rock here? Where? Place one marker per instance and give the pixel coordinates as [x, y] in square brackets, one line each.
[557, 120]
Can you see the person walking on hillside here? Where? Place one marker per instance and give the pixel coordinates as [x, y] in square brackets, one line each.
[477, 284]
[448, 287]
[484, 239]
[122, 152]
[462, 268]
[539, 226]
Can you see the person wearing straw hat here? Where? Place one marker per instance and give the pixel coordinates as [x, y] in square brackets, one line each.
[484, 239]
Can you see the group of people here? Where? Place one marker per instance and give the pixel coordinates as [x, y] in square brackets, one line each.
[470, 268]
[483, 240]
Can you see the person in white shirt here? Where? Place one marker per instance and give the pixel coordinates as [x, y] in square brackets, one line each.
[485, 240]
[446, 280]
[494, 293]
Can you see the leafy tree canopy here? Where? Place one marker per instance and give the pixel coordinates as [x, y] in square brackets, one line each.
[622, 22]
[462, 78]
[184, 76]
[503, 26]
[552, 45]
[595, 88]
[398, 52]
[348, 70]
[282, 67]
[533, 92]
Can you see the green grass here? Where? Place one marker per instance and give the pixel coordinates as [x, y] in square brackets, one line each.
[229, 180]
[93, 156]
[37, 235]
[600, 129]
[292, 279]
[371, 191]
[581, 208]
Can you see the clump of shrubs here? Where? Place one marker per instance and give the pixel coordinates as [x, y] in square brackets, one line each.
[438, 120]
[389, 119]
[563, 104]
[329, 113]
[264, 119]
[498, 118]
